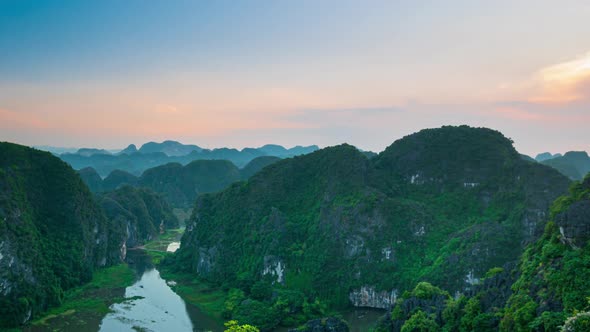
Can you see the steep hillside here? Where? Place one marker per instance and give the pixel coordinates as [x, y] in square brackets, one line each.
[140, 214]
[118, 178]
[548, 289]
[554, 280]
[573, 164]
[180, 185]
[442, 205]
[52, 233]
[256, 165]
[92, 179]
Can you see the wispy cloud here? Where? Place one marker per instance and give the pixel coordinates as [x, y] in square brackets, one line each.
[564, 82]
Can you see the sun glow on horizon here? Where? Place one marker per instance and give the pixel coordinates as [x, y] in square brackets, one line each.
[564, 82]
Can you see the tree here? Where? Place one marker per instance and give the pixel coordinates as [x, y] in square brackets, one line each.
[233, 326]
[420, 322]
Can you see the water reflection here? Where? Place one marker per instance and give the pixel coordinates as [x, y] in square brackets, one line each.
[153, 305]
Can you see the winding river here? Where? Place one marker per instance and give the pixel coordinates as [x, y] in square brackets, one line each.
[154, 306]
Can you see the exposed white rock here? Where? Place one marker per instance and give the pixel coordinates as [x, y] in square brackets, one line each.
[173, 246]
[275, 267]
[123, 251]
[421, 231]
[27, 316]
[5, 287]
[471, 279]
[368, 297]
[387, 253]
[354, 246]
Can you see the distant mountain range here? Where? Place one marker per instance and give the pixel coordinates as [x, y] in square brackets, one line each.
[151, 154]
[573, 164]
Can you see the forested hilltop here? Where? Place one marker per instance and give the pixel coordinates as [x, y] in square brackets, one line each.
[448, 206]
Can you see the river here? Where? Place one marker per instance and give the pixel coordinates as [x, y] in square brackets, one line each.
[154, 306]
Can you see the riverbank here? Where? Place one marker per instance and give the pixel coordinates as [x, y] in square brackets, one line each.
[86, 305]
[208, 298]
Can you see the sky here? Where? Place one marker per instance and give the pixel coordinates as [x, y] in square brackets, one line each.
[246, 73]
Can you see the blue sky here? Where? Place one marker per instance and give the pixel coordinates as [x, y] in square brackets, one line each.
[246, 73]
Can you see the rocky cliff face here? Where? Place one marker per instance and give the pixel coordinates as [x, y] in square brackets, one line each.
[52, 233]
[574, 223]
[368, 297]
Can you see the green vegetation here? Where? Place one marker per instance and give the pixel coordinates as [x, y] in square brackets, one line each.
[180, 185]
[233, 326]
[554, 280]
[256, 165]
[161, 242]
[94, 298]
[53, 235]
[139, 212]
[425, 291]
[443, 205]
[549, 290]
[420, 322]
[208, 298]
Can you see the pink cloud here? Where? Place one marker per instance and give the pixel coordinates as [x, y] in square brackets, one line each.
[20, 120]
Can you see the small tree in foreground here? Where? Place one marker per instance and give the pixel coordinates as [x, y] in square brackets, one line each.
[233, 326]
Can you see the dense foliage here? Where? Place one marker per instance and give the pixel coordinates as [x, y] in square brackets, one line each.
[180, 185]
[139, 213]
[117, 179]
[549, 290]
[554, 280]
[52, 233]
[443, 205]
